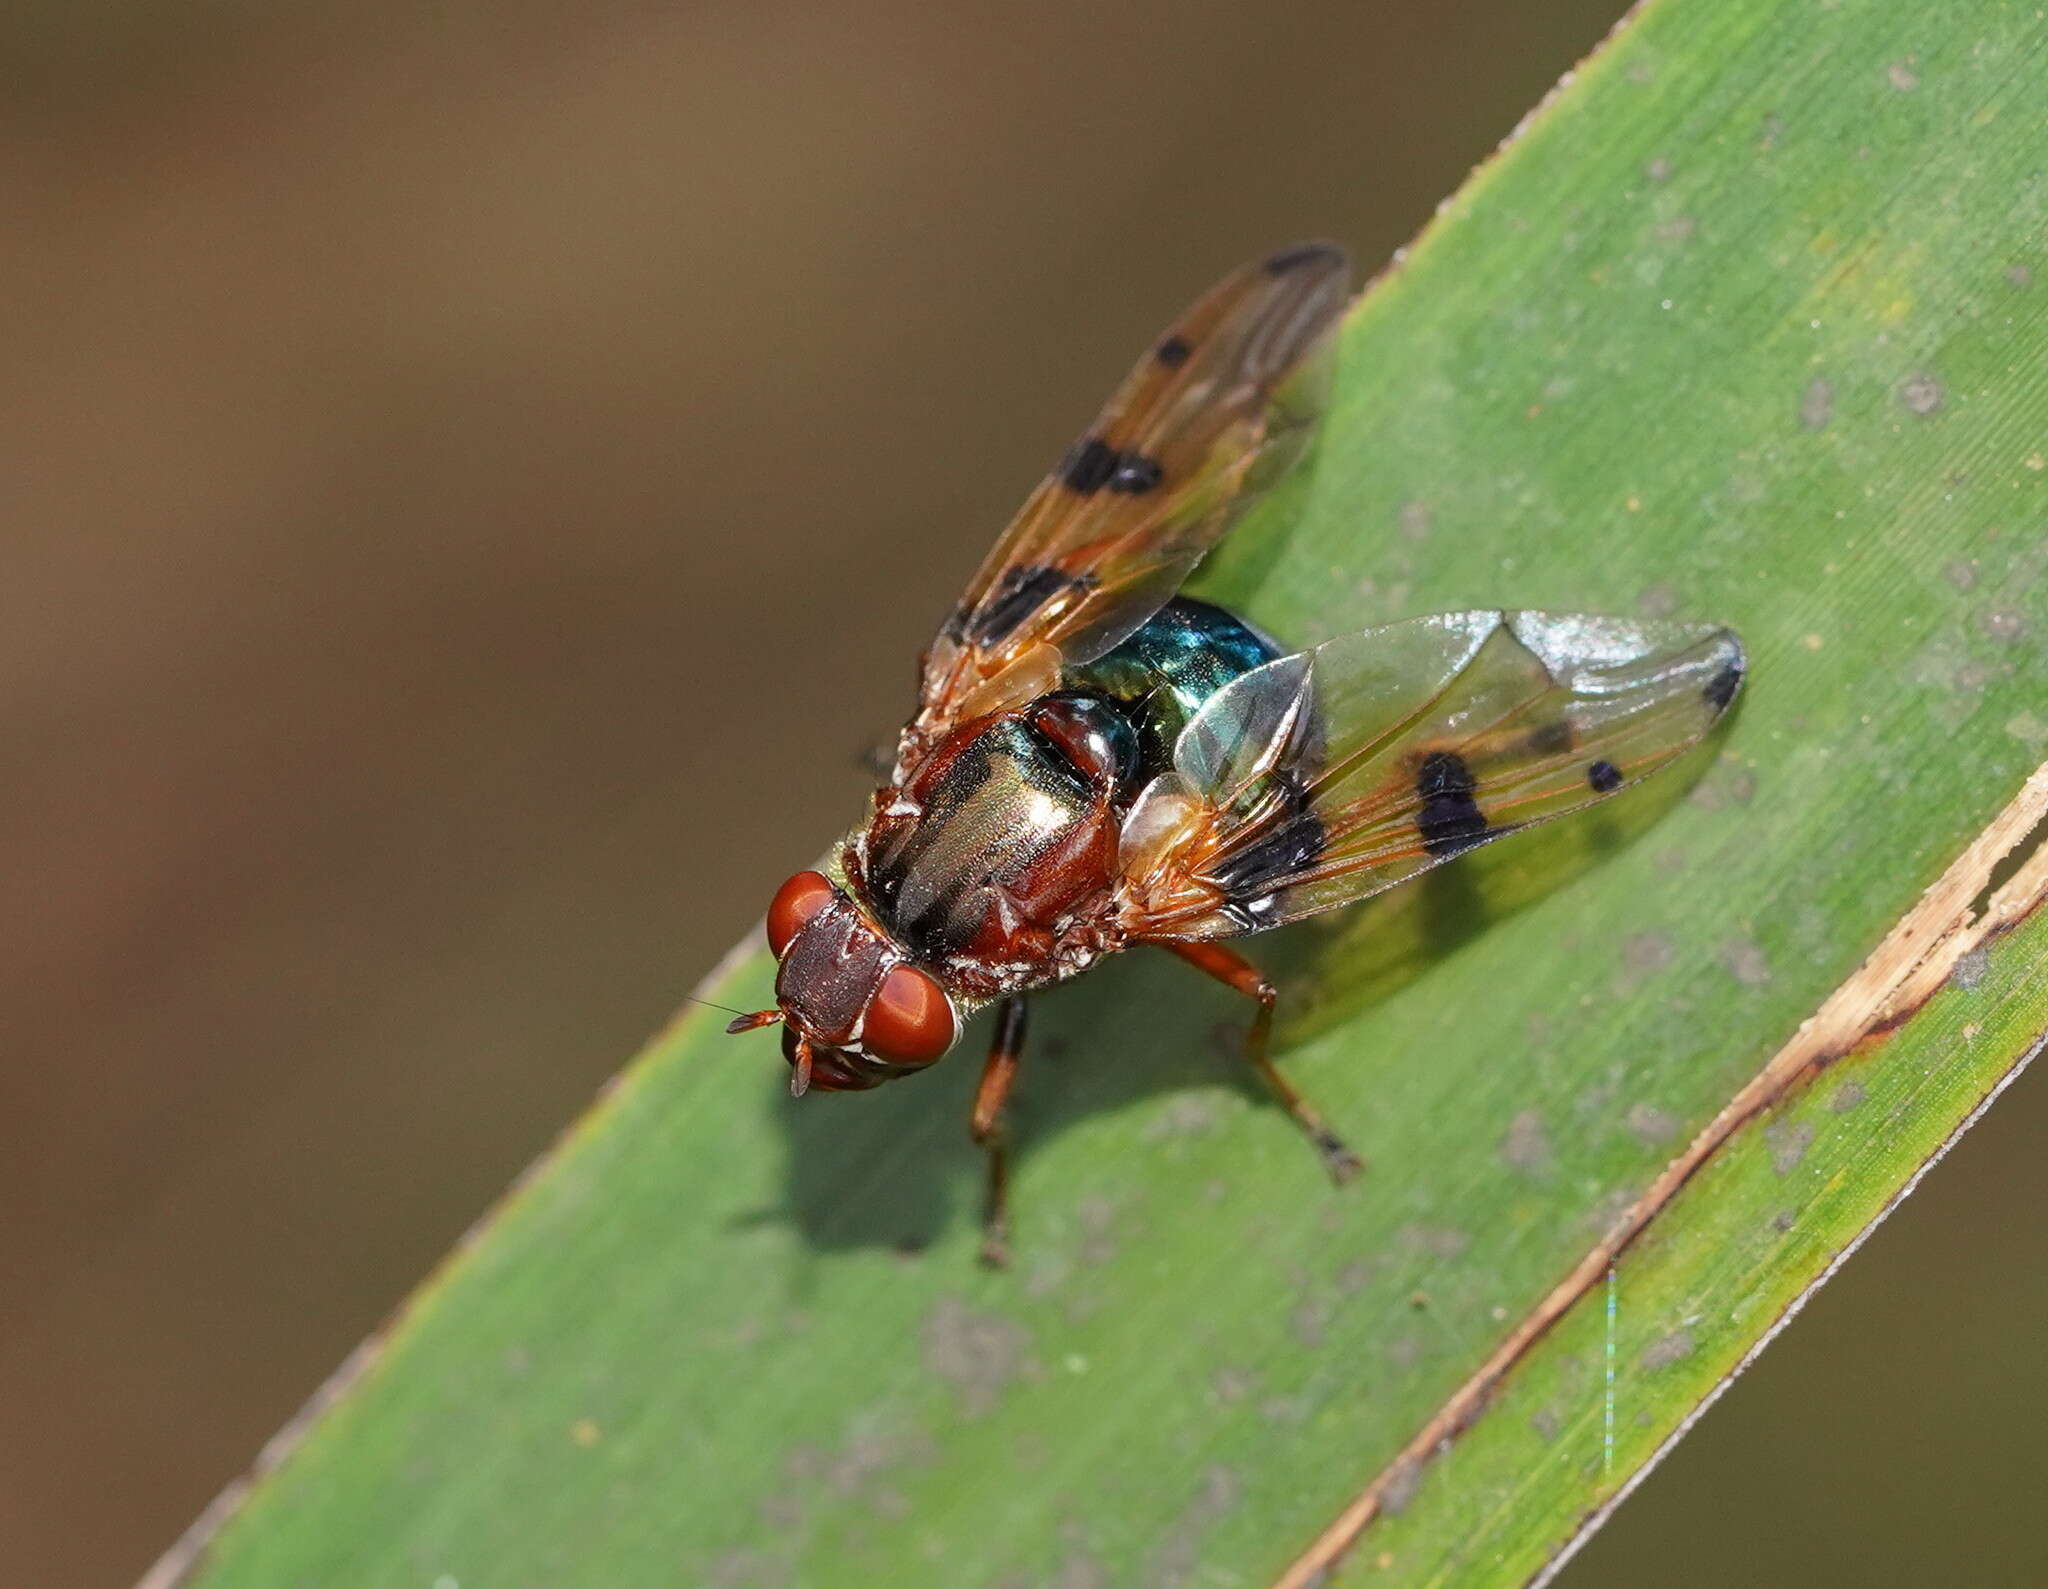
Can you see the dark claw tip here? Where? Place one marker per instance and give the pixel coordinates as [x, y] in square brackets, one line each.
[1344, 1165]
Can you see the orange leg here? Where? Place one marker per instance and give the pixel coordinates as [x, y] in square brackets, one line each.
[1241, 976]
[986, 1127]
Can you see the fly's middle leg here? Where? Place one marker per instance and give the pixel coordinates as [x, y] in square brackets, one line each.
[1241, 976]
[987, 1126]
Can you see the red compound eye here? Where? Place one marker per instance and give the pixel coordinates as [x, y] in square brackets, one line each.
[795, 903]
[909, 1021]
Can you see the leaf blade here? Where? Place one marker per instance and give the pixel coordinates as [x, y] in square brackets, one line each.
[690, 1349]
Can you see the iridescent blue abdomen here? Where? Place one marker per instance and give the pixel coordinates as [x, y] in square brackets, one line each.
[1162, 674]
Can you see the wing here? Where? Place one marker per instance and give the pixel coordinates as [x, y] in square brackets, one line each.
[1323, 777]
[1208, 419]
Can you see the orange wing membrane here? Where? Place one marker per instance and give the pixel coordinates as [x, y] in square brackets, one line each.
[1209, 419]
[1329, 775]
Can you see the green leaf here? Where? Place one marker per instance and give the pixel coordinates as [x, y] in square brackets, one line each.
[1744, 326]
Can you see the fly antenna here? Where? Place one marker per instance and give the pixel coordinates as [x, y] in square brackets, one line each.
[742, 1021]
[691, 998]
[800, 1077]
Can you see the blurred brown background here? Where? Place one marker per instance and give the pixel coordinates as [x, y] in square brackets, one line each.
[474, 481]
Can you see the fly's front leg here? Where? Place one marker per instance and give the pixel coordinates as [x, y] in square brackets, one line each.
[986, 1127]
[1241, 976]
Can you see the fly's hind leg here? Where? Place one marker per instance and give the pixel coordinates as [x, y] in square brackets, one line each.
[987, 1127]
[1241, 976]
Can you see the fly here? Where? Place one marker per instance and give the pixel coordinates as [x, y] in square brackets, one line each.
[1097, 761]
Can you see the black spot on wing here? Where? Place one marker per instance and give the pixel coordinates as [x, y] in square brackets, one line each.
[1303, 254]
[1089, 465]
[1173, 352]
[1135, 475]
[1722, 686]
[1289, 844]
[1449, 819]
[1604, 777]
[1291, 839]
[1017, 595]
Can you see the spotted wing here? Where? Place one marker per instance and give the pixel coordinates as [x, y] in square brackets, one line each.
[1208, 419]
[1323, 777]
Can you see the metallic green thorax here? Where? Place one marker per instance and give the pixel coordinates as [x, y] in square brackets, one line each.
[1161, 675]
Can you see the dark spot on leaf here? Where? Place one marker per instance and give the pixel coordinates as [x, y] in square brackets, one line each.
[1817, 407]
[1788, 1141]
[1311, 1321]
[1399, 1491]
[1177, 1564]
[1673, 1348]
[1645, 953]
[1173, 352]
[1920, 393]
[1079, 1570]
[978, 1354]
[1190, 1114]
[1097, 1217]
[1745, 962]
[1526, 1148]
[1438, 1241]
[1604, 777]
